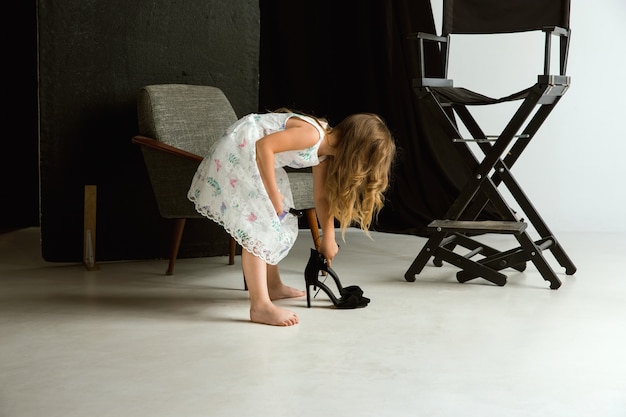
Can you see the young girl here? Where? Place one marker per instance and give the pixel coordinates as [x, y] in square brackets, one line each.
[242, 186]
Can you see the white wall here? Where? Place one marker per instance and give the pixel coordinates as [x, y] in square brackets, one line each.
[574, 170]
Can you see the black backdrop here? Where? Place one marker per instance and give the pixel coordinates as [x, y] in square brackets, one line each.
[19, 170]
[94, 56]
[324, 57]
[332, 58]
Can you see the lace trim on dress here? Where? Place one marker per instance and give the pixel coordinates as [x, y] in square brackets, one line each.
[254, 246]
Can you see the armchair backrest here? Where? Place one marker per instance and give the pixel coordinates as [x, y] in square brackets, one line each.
[188, 117]
[511, 16]
[503, 16]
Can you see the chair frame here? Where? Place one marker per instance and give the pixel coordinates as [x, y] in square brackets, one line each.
[460, 223]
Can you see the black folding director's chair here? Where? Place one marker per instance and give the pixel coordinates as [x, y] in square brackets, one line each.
[491, 168]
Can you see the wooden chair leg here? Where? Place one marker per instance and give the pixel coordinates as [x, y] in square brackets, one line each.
[311, 217]
[232, 247]
[179, 226]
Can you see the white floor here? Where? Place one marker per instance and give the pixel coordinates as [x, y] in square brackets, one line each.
[129, 341]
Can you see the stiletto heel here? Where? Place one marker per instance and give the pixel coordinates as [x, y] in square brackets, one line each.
[350, 297]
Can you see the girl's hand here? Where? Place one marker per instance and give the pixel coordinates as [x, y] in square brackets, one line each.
[329, 248]
[277, 201]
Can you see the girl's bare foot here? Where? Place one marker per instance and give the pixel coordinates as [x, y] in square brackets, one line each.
[280, 291]
[274, 316]
[276, 289]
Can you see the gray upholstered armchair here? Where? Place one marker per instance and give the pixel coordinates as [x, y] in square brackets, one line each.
[177, 125]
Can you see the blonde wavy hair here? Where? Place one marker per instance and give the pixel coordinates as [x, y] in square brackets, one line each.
[358, 173]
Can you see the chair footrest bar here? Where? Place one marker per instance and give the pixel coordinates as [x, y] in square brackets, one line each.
[474, 269]
[488, 138]
[474, 252]
[486, 226]
[547, 244]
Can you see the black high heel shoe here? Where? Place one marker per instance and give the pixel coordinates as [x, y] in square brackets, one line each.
[350, 297]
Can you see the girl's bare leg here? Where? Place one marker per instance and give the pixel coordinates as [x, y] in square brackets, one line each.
[277, 289]
[262, 310]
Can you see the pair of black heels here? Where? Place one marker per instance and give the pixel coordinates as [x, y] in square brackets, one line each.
[349, 297]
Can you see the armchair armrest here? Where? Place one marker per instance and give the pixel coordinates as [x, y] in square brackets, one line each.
[442, 42]
[564, 35]
[428, 37]
[163, 147]
[556, 30]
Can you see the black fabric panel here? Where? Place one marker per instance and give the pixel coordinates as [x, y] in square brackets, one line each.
[340, 58]
[503, 16]
[19, 165]
[94, 56]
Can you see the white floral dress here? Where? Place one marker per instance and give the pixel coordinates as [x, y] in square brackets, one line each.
[228, 189]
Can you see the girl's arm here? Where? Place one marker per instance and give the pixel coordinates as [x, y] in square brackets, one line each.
[328, 246]
[298, 134]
